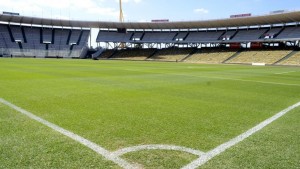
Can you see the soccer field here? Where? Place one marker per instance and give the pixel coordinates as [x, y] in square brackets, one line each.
[166, 114]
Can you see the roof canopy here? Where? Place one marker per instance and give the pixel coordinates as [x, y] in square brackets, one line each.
[282, 18]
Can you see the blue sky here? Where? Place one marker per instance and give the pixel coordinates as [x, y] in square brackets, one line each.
[145, 10]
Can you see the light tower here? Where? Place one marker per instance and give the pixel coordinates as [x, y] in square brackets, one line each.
[121, 19]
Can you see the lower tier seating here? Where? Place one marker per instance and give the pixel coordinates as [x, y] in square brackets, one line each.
[107, 54]
[210, 56]
[259, 56]
[171, 54]
[133, 54]
[292, 61]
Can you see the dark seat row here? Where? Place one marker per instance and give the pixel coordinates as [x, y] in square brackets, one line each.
[201, 36]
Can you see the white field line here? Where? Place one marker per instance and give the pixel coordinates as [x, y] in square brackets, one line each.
[157, 147]
[221, 148]
[93, 146]
[115, 156]
[285, 72]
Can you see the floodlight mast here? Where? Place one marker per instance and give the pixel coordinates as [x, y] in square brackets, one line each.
[121, 19]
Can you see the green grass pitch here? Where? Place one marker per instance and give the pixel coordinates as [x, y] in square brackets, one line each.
[119, 104]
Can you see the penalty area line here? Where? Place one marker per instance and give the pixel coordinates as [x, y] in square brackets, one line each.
[223, 147]
[93, 146]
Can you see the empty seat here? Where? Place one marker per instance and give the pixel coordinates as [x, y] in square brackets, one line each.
[114, 37]
[204, 36]
[74, 38]
[181, 36]
[171, 54]
[249, 35]
[40, 42]
[289, 33]
[137, 36]
[158, 37]
[272, 32]
[17, 33]
[47, 35]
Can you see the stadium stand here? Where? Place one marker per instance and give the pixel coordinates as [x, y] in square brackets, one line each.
[106, 54]
[268, 57]
[272, 33]
[228, 35]
[171, 54]
[158, 37]
[248, 35]
[81, 49]
[11, 47]
[74, 37]
[210, 56]
[17, 33]
[294, 60]
[133, 54]
[289, 33]
[204, 36]
[98, 53]
[27, 41]
[33, 47]
[267, 39]
[181, 36]
[137, 36]
[47, 35]
[106, 36]
[60, 46]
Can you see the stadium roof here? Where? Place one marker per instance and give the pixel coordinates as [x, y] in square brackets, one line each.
[281, 18]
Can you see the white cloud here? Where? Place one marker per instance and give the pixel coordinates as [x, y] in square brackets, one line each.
[60, 6]
[201, 10]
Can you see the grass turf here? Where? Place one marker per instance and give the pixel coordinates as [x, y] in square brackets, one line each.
[118, 104]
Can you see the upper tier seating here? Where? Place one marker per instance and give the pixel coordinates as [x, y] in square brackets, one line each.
[181, 36]
[209, 36]
[137, 35]
[81, 47]
[289, 33]
[83, 40]
[272, 32]
[204, 36]
[9, 46]
[228, 35]
[154, 37]
[8, 40]
[249, 35]
[60, 46]
[33, 46]
[74, 38]
[113, 37]
[17, 33]
[47, 35]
